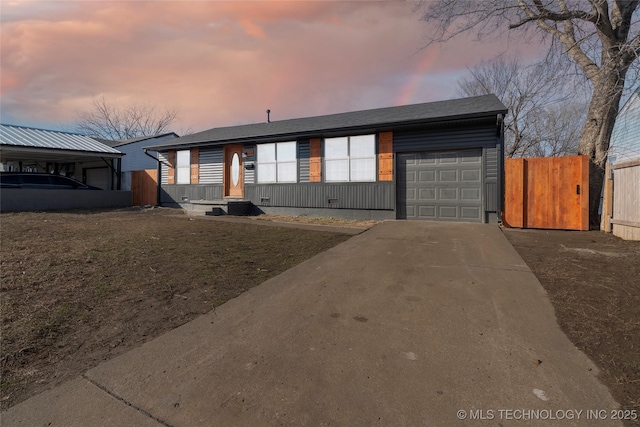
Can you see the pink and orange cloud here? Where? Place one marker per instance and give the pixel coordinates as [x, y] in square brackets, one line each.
[219, 63]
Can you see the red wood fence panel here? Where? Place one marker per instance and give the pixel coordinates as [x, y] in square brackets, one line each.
[144, 187]
[549, 192]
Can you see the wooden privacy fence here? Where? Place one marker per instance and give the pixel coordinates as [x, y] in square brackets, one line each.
[621, 202]
[144, 187]
[547, 192]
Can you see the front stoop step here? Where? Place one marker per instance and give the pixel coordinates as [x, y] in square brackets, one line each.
[237, 207]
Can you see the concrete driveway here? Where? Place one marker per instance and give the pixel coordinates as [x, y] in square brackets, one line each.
[409, 323]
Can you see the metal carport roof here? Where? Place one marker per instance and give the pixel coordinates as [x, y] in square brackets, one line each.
[40, 144]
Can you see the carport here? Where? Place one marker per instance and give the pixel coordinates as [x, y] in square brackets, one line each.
[24, 149]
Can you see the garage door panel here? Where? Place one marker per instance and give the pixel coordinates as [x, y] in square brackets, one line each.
[427, 176]
[427, 211]
[469, 175]
[426, 159]
[448, 175]
[428, 194]
[443, 185]
[470, 213]
[447, 194]
[448, 158]
[470, 194]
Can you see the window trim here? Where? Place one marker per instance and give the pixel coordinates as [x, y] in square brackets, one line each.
[350, 158]
[275, 163]
[186, 169]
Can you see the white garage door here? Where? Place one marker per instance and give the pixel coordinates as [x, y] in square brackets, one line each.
[443, 185]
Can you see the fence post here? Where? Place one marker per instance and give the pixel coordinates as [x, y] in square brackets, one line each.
[607, 200]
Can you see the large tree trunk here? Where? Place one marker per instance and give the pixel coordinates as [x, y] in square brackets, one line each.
[596, 134]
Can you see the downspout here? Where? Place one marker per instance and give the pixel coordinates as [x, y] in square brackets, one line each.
[159, 186]
[500, 148]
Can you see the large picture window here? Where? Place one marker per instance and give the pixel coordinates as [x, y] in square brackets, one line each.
[183, 167]
[277, 162]
[350, 158]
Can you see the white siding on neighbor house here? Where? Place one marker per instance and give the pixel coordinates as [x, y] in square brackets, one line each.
[135, 159]
[211, 168]
[625, 138]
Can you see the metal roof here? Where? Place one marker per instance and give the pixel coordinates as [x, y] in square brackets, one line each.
[456, 109]
[16, 137]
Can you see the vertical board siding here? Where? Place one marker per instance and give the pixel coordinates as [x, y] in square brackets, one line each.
[515, 191]
[547, 193]
[144, 187]
[210, 166]
[304, 153]
[626, 200]
[315, 160]
[385, 156]
[322, 195]
[195, 172]
[176, 193]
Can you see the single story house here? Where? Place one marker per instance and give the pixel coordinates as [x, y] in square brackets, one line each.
[25, 149]
[436, 161]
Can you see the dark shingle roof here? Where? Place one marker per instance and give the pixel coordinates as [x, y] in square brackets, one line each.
[119, 142]
[479, 106]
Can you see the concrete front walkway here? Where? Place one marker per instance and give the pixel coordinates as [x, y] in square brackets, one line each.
[407, 323]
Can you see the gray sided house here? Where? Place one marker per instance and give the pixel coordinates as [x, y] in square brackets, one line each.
[434, 161]
[135, 158]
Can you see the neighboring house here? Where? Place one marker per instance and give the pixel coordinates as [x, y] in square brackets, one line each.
[439, 161]
[621, 189]
[135, 158]
[625, 138]
[38, 150]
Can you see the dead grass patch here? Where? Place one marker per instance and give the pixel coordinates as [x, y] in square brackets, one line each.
[78, 288]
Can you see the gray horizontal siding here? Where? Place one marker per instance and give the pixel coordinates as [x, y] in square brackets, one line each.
[346, 195]
[250, 174]
[164, 176]
[491, 178]
[175, 193]
[304, 153]
[491, 164]
[210, 163]
[445, 140]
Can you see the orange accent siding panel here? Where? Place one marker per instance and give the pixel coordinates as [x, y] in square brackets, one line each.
[171, 169]
[195, 166]
[385, 156]
[315, 160]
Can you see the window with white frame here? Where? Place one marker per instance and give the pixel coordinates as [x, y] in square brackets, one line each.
[183, 167]
[351, 158]
[277, 162]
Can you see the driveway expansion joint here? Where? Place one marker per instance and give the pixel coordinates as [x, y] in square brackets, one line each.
[126, 402]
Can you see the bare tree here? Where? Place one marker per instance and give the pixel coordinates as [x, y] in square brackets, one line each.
[108, 121]
[543, 119]
[601, 37]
